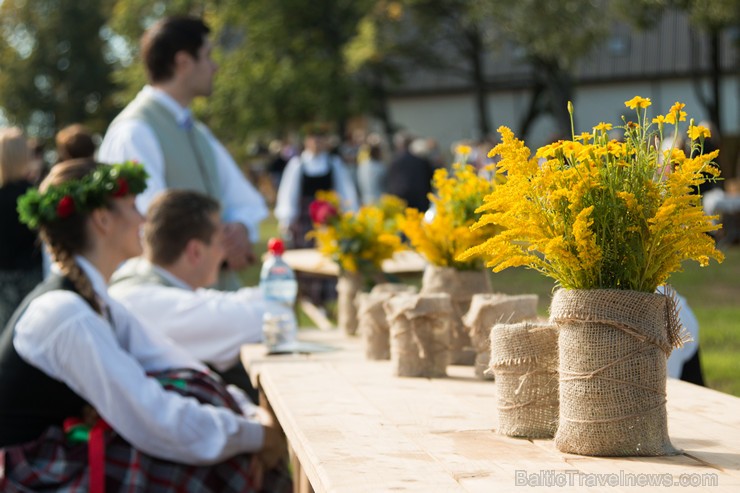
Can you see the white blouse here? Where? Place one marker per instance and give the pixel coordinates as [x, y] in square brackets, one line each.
[106, 365]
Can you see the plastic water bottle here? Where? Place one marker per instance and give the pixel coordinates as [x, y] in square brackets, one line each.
[279, 288]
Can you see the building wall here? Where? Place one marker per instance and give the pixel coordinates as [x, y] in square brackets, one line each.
[449, 118]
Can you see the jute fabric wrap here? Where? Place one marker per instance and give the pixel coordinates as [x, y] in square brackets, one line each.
[373, 324]
[393, 288]
[348, 285]
[461, 286]
[485, 311]
[524, 359]
[613, 348]
[420, 334]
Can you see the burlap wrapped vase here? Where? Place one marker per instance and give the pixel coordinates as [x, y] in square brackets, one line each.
[348, 285]
[613, 347]
[485, 311]
[373, 324]
[420, 334]
[461, 285]
[524, 359]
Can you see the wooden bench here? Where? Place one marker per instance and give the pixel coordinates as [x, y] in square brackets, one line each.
[354, 427]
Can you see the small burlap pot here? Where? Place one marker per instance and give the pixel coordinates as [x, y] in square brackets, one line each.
[461, 285]
[393, 288]
[485, 311]
[348, 285]
[420, 334]
[524, 359]
[373, 324]
[613, 348]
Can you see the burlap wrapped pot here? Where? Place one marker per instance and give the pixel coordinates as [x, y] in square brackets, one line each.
[420, 334]
[524, 359]
[461, 286]
[613, 346]
[373, 324]
[349, 284]
[485, 311]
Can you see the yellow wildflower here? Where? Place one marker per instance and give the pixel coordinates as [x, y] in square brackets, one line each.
[598, 214]
[463, 149]
[698, 132]
[638, 101]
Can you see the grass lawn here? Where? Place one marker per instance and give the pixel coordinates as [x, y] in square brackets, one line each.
[712, 292]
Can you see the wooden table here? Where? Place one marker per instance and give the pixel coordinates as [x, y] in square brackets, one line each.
[353, 427]
[311, 261]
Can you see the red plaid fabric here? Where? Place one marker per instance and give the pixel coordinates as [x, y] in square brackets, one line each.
[52, 463]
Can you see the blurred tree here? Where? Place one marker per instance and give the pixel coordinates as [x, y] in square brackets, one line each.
[280, 62]
[56, 64]
[711, 18]
[553, 36]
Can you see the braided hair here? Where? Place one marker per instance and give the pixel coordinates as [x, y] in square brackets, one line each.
[68, 237]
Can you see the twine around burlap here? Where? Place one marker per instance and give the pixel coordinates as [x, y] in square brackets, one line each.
[420, 334]
[348, 285]
[613, 347]
[524, 359]
[373, 324]
[461, 286]
[485, 311]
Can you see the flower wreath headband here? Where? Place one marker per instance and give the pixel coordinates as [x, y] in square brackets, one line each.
[84, 195]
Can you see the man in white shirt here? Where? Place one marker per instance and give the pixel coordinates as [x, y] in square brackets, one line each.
[166, 289]
[158, 130]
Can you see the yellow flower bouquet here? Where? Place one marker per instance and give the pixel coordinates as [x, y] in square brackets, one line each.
[444, 233]
[442, 238]
[609, 221]
[600, 213]
[357, 241]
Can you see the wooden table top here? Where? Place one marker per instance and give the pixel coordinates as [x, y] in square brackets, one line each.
[355, 427]
[311, 261]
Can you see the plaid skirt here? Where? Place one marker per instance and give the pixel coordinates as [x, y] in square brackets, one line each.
[55, 462]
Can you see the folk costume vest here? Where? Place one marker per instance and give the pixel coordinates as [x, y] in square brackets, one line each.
[32, 401]
[189, 161]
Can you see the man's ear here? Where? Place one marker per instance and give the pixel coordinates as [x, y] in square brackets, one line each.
[193, 251]
[183, 60]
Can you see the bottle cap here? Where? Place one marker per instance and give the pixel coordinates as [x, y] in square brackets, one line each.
[275, 246]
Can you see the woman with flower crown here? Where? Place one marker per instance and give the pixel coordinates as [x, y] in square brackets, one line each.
[88, 398]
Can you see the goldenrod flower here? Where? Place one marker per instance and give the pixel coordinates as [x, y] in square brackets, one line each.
[599, 213]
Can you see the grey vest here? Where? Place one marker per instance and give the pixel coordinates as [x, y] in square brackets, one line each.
[138, 272]
[189, 161]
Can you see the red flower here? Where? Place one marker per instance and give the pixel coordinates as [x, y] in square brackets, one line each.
[322, 212]
[122, 189]
[65, 207]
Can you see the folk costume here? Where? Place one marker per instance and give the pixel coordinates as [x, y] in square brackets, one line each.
[63, 363]
[178, 151]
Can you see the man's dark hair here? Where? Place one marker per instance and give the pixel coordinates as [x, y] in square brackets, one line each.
[163, 40]
[174, 218]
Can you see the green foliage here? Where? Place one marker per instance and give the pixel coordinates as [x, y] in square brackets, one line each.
[54, 66]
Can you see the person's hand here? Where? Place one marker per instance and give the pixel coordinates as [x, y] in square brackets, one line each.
[237, 247]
